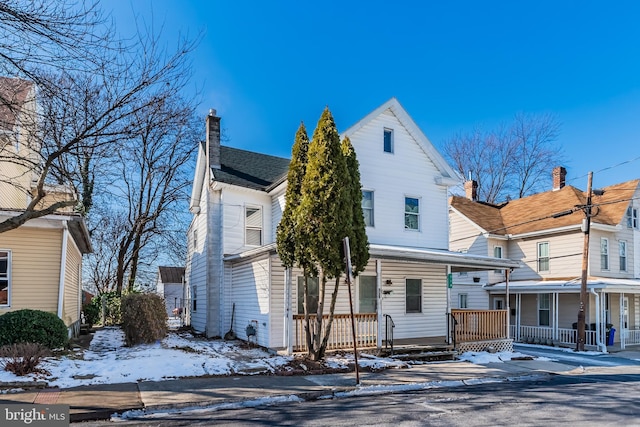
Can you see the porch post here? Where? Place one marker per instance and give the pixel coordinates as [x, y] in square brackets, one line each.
[622, 328]
[379, 302]
[518, 310]
[556, 315]
[506, 275]
[448, 313]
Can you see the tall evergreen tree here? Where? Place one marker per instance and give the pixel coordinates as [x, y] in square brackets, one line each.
[359, 243]
[322, 219]
[286, 233]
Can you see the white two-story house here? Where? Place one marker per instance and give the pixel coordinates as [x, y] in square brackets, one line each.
[545, 232]
[237, 201]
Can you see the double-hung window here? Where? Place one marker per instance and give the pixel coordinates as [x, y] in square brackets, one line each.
[5, 276]
[413, 290]
[497, 253]
[544, 308]
[543, 256]
[411, 213]
[632, 217]
[604, 253]
[312, 303]
[388, 141]
[367, 294]
[253, 226]
[367, 207]
[623, 255]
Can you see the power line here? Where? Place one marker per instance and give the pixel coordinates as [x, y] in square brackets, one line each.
[607, 168]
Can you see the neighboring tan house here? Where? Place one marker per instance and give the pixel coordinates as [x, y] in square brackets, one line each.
[544, 231]
[237, 201]
[170, 286]
[40, 261]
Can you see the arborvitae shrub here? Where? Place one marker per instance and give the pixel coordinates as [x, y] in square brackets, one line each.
[33, 326]
[92, 311]
[144, 318]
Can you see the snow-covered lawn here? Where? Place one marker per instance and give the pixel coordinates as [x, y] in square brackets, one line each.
[181, 354]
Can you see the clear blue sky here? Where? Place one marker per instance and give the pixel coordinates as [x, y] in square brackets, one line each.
[265, 66]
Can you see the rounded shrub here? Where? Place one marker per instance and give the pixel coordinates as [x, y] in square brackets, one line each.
[144, 318]
[33, 326]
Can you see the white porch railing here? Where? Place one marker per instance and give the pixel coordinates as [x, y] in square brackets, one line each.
[543, 335]
[632, 336]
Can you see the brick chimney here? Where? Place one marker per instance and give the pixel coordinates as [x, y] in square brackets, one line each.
[213, 139]
[471, 190]
[559, 175]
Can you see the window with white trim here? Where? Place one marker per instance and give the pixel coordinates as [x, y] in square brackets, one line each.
[253, 226]
[411, 213]
[312, 284]
[367, 294]
[622, 249]
[5, 276]
[543, 256]
[195, 240]
[463, 301]
[544, 309]
[388, 140]
[497, 253]
[413, 288]
[604, 253]
[632, 217]
[367, 207]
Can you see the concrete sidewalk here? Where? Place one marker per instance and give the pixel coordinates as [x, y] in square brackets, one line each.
[101, 401]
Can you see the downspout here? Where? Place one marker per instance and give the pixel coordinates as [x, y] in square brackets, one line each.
[63, 267]
[448, 314]
[599, 342]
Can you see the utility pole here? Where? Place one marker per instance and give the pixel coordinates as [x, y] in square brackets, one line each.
[585, 266]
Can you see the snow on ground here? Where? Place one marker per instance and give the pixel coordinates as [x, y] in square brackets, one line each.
[178, 355]
[483, 357]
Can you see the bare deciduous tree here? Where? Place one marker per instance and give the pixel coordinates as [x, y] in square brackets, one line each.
[511, 161]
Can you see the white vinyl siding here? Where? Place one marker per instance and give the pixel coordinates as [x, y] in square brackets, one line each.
[250, 292]
[604, 253]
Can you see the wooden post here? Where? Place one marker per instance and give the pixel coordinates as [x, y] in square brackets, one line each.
[585, 266]
[347, 254]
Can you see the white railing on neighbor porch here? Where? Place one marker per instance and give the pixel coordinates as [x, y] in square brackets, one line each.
[632, 336]
[545, 335]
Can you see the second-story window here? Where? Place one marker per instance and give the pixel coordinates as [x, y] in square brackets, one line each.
[367, 207]
[388, 140]
[604, 253]
[623, 255]
[497, 253]
[253, 226]
[632, 217]
[411, 213]
[543, 256]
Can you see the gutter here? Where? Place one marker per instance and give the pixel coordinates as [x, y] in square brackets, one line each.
[599, 342]
[63, 267]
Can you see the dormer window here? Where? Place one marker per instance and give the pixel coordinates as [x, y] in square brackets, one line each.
[388, 140]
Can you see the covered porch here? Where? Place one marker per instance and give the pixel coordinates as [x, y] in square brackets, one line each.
[546, 312]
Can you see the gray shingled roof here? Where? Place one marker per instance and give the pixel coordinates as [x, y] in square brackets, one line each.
[171, 274]
[249, 169]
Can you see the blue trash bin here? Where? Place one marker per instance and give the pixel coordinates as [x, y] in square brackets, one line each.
[611, 336]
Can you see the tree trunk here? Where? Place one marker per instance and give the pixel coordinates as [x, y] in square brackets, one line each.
[332, 308]
[314, 352]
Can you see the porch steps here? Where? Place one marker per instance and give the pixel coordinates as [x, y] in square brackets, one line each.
[420, 353]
